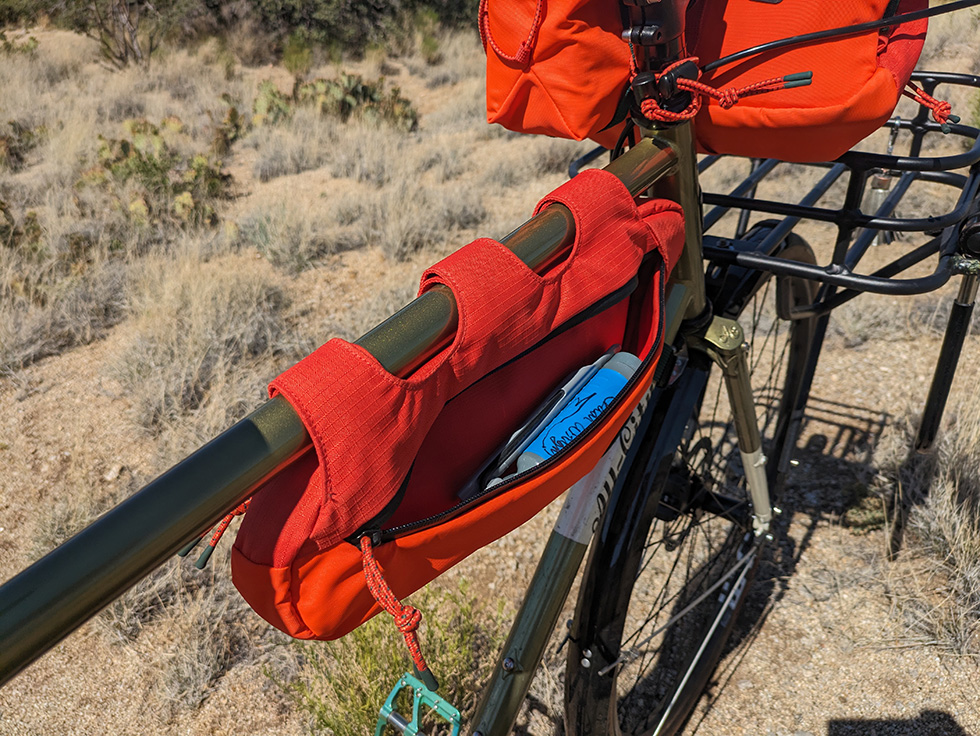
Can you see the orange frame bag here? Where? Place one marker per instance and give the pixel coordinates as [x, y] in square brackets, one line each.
[392, 453]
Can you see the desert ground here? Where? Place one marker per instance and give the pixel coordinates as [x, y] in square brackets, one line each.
[138, 319]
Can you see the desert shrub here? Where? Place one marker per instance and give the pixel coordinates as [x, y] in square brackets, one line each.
[297, 55]
[343, 683]
[198, 325]
[17, 143]
[9, 48]
[228, 130]
[150, 183]
[409, 218]
[58, 287]
[129, 31]
[346, 22]
[365, 154]
[302, 143]
[352, 25]
[345, 97]
[350, 95]
[293, 237]
[45, 315]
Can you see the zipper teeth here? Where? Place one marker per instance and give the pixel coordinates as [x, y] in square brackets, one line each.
[389, 534]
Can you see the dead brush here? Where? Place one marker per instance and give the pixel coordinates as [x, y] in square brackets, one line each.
[935, 580]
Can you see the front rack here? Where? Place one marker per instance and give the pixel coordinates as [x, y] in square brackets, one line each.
[857, 230]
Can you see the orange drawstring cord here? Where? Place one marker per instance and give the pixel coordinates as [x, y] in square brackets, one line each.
[217, 531]
[407, 618]
[523, 54]
[941, 109]
[726, 97]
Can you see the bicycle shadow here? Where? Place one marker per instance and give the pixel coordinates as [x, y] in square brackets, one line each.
[929, 723]
[829, 481]
[833, 466]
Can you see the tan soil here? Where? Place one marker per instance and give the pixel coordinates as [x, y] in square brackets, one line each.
[831, 657]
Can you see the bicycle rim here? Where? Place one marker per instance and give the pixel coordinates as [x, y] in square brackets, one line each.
[659, 635]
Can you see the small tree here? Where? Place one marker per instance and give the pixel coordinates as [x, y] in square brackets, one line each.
[128, 30]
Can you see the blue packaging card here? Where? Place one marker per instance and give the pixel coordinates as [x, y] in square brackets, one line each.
[580, 412]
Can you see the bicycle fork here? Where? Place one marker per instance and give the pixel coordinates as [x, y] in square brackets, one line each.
[724, 342]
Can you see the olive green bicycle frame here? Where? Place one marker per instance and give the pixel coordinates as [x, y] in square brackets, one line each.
[722, 339]
[55, 595]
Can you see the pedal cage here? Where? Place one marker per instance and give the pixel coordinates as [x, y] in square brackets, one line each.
[421, 696]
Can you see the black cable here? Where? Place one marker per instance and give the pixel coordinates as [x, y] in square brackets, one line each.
[839, 32]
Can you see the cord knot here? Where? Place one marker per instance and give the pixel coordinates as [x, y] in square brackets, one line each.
[728, 97]
[942, 111]
[408, 619]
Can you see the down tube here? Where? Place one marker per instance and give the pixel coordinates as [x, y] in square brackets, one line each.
[623, 533]
[553, 579]
[657, 435]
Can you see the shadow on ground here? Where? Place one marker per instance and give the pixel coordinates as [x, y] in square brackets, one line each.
[829, 482]
[929, 723]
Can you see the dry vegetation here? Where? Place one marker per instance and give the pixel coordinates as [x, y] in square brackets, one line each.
[171, 237]
[185, 231]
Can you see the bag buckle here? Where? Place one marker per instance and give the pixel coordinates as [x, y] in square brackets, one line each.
[421, 696]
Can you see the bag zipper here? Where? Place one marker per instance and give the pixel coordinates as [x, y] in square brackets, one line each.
[372, 528]
[387, 535]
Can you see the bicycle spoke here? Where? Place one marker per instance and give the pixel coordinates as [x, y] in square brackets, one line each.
[691, 575]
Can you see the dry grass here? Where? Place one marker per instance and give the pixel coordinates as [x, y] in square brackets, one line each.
[410, 218]
[935, 581]
[342, 684]
[301, 143]
[294, 237]
[200, 326]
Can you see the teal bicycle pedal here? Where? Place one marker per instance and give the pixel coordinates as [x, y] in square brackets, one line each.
[421, 696]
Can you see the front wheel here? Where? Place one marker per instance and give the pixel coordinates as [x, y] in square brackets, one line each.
[669, 572]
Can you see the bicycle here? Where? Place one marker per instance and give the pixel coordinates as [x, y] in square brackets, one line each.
[687, 478]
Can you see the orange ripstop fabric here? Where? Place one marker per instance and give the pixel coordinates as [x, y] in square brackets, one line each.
[857, 80]
[381, 441]
[572, 72]
[570, 80]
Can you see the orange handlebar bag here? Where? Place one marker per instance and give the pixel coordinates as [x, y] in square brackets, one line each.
[392, 454]
[857, 80]
[561, 68]
[557, 67]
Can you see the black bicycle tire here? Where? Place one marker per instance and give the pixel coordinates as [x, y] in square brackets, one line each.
[592, 693]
